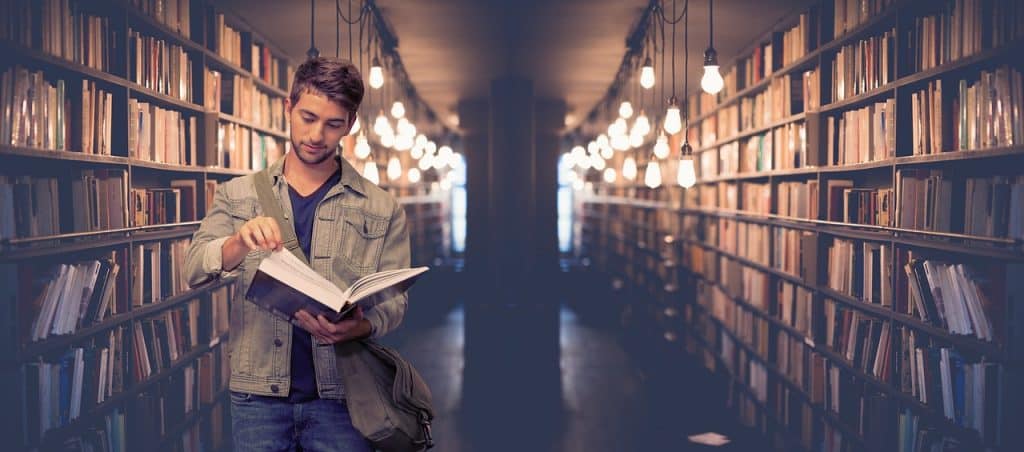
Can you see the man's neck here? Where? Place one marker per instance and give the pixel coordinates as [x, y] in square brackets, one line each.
[304, 177]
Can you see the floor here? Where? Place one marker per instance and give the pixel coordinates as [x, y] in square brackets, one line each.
[611, 391]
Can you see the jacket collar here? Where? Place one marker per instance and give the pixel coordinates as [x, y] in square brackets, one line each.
[349, 176]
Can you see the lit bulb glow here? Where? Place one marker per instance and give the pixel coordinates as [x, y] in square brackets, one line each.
[446, 154]
[426, 162]
[376, 77]
[362, 149]
[642, 125]
[597, 162]
[607, 152]
[416, 152]
[617, 128]
[609, 175]
[370, 172]
[652, 177]
[394, 168]
[387, 140]
[381, 125]
[661, 147]
[629, 168]
[620, 142]
[673, 123]
[578, 155]
[636, 140]
[414, 175]
[403, 142]
[686, 176]
[397, 109]
[626, 109]
[647, 77]
[712, 81]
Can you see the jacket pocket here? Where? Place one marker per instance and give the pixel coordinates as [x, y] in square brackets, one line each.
[362, 240]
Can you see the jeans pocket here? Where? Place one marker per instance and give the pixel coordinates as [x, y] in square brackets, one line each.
[240, 397]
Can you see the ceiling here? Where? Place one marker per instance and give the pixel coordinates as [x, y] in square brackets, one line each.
[571, 49]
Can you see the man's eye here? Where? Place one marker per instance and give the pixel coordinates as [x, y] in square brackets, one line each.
[308, 119]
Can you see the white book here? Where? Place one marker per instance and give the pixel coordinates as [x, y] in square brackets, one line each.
[283, 284]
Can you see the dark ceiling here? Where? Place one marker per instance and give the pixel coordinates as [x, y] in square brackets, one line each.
[571, 49]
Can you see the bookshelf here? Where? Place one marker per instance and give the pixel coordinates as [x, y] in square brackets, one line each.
[146, 361]
[788, 269]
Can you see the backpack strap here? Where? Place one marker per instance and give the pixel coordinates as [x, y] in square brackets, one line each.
[272, 208]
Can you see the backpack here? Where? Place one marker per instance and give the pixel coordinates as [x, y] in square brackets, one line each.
[388, 401]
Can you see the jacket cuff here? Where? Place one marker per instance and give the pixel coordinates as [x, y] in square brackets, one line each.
[376, 322]
[213, 263]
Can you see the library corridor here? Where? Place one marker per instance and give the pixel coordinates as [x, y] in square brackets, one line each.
[504, 226]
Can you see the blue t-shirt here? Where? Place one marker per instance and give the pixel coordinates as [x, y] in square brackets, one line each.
[302, 371]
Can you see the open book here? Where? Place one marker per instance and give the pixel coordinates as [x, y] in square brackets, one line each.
[284, 284]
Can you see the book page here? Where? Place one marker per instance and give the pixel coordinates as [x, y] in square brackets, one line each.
[370, 284]
[285, 267]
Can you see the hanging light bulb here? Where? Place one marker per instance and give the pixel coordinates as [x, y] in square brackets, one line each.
[376, 74]
[687, 175]
[620, 142]
[661, 146]
[606, 152]
[609, 175]
[617, 128]
[355, 126]
[578, 184]
[381, 125]
[642, 124]
[417, 152]
[712, 81]
[647, 74]
[387, 140]
[592, 147]
[629, 168]
[636, 140]
[414, 175]
[430, 148]
[446, 155]
[602, 140]
[652, 176]
[440, 162]
[370, 172]
[597, 162]
[403, 142]
[406, 128]
[673, 123]
[578, 154]
[394, 170]
[397, 109]
[362, 149]
[421, 140]
[584, 163]
[625, 109]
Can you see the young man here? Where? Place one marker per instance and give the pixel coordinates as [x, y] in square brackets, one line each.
[285, 389]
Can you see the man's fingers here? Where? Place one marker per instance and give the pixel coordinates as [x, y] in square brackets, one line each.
[257, 236]
[275, 231]
[267, 228]
[246, 235]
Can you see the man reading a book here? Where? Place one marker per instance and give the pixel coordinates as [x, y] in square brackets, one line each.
[285, 389]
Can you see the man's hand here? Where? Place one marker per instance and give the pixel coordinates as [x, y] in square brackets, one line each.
[261, 233]
[352, 327]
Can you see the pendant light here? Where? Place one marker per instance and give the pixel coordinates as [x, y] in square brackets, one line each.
[414, 175]
[609, 175]
[370, 172]
[376, 74]
[712, 81]
[362, 149]
[672, 123]
[661, 146]
[394, 168]
[647, 74]
[312, 52]
[629, 168]
[397, 109]
[686, 174]
[652, 176]
[625, 110]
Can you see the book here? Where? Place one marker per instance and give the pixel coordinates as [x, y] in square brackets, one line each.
[283, 284]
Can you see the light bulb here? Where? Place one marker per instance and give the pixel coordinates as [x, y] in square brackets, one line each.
[403, 142]
[606, 152]
[661, 147]
[652, 177]
[362, 149]
[687, 176]
[647, 74]
[370, 172]
[426, 162]
[394, 168]
[414, 175]
[578, 154]
[625, 109]
[712, 81]
[620, 142]
[609, 175]
[597, 162]
[430, 148]
[578, 184]
[387, 140]
[397, 109]
[381, 125]
[440, 162]
[642, 124]
[355, 126]
[602, 140]
[406, 127]
[592, 147]
[617, 128]
[673, 123]
[416, 152]
[584, 163]
[636, 140]
[376, 74]
[421, 140]
[629, 168]
[446, 153]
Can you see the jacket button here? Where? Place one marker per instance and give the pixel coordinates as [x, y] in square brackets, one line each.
[274, 389]
[278, 342]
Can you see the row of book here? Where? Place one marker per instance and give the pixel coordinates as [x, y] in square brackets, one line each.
[930, 200]
[863, 135]
[69, 31]
[157, 271]
[237, 95]
[29, 206]
[225, 40]
[162, 135]
[756, 154]
[798, 199]
[268, 67]
[175, 14]
[160, 66]
[160, 341]
[864, 65]
[74, 296]
[953, 297]
[758, 65]
[927, 117]
[241, 148]
[790, 146]
[849, 14]
[989, 110]
[156, 206]
[798, 40]
[39, 114]
[951, 34]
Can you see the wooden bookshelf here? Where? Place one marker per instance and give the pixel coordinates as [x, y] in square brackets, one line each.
[660, 240]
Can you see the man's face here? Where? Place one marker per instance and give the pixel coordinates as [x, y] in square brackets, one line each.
[317, 125]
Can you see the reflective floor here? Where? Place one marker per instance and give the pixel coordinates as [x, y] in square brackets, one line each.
[616, 393]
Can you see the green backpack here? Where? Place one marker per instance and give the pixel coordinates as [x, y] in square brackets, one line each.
[388, 401]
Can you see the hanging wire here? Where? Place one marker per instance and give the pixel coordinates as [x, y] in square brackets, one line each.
[337, 32]
[350, 30]
[674, 51]
[362, 11]
[686, 71]
[312, 52]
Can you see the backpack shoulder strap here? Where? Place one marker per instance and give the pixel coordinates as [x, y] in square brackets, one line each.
[272, 208]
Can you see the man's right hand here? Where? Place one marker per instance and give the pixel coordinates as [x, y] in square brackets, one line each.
[261, 233]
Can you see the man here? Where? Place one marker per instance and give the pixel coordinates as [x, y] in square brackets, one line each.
[285, 389]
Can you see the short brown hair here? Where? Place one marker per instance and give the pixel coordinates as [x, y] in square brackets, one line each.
[337, 79]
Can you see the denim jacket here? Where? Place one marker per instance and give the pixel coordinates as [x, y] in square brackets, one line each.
[358, 229]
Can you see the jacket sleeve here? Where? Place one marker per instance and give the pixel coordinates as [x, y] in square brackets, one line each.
[387, 315]
[203, 259]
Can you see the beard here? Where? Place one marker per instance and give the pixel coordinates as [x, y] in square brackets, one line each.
[308, 159]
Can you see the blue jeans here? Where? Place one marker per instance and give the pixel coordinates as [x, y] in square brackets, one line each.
[265, 424]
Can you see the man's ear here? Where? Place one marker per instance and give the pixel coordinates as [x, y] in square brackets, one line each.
[288, 105]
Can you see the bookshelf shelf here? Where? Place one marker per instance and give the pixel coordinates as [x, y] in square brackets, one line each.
[859, 99]
[242, 122]
[137, 18]
[13, 49]
[136, 163]
[62, 156]
[149, 95]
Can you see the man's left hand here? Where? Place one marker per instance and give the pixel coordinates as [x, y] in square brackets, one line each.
[352, 327]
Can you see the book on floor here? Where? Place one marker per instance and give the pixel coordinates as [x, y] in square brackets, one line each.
[283, 284]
